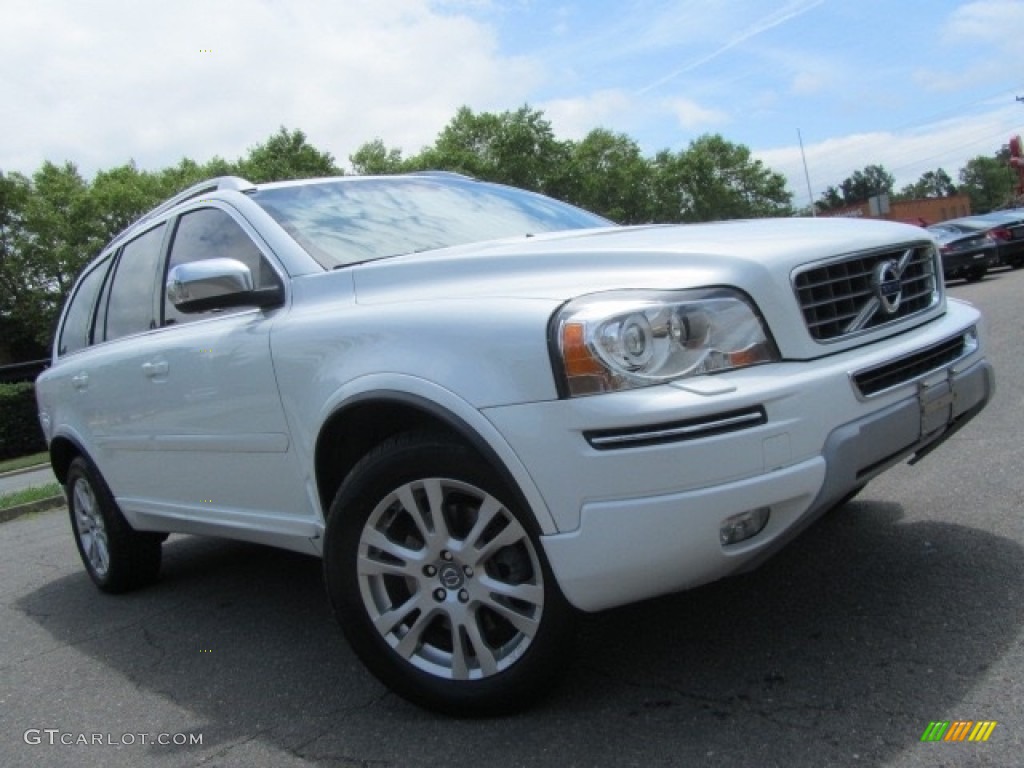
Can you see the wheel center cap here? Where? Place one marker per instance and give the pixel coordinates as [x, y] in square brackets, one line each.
[450, 576]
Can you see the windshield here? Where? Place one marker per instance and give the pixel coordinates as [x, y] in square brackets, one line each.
[342, 222]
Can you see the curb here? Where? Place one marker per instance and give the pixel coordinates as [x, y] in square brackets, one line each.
[23, 470]
[42, 505]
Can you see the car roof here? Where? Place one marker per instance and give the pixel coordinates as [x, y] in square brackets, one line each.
[1007, 214]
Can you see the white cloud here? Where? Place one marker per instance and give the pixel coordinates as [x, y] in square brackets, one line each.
[991, 21]
[690, 114]
[953, 80]
[101, 83]
[575, 118]
[624, 112]
[807, 82]
[993, 26]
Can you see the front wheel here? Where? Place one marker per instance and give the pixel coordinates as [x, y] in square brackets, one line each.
[439, 582]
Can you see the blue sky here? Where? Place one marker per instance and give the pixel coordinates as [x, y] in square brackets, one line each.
[913, 85]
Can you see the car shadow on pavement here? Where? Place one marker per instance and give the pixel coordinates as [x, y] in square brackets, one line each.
[842, 648]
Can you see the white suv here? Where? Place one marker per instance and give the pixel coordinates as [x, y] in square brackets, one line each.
[484, 408]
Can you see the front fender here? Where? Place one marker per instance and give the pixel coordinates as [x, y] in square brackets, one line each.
[443, 405]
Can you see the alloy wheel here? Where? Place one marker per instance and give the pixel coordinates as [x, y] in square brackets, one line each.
[450, 579]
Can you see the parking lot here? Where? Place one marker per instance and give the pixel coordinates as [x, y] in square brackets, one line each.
[900, 609]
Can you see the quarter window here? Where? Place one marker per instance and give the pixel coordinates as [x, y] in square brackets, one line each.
[77, 330]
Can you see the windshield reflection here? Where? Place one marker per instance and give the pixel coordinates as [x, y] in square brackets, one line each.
[342, 222]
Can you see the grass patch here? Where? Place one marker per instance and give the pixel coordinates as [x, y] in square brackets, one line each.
[9, 465]
[28, 495]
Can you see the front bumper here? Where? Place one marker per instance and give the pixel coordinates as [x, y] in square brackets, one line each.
[639, 521]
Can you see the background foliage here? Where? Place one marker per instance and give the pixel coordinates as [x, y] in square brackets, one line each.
[20, 433]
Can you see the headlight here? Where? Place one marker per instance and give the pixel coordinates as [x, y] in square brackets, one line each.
[624, 339]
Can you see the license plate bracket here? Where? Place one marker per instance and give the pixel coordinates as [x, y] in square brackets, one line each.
[936, 400]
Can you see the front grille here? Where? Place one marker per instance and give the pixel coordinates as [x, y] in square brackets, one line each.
[841, 297]
[892, 374]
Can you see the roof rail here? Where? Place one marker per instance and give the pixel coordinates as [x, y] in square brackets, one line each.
[236, 183]
[442, 174]
[198, 190]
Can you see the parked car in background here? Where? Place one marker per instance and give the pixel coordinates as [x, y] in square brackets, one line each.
[967, 252]
[485, 409]
[1007, 229]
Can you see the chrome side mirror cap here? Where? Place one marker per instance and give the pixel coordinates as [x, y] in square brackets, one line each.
[200, 286]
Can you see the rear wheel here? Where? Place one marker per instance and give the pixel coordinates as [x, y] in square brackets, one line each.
[116, 557]
[439, 582]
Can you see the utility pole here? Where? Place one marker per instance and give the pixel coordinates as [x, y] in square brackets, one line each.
[807, 176]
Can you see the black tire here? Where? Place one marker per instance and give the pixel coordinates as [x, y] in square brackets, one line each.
[439, 582]
[975, 275]
[116, 557]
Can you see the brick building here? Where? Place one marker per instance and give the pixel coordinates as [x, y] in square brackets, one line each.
[929, 210]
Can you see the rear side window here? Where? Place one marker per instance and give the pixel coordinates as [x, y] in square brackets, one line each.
[76, 333]
[130, 305]
[210, 233]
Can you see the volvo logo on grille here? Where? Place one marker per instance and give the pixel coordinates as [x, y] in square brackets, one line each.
[888, 286]
[886, 291]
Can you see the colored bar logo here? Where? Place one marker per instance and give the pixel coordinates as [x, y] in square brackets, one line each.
[959, 730]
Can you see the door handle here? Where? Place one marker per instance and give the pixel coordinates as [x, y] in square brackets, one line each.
[152, 370]
[80, 380]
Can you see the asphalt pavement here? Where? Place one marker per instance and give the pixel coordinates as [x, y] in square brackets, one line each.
[901, 609]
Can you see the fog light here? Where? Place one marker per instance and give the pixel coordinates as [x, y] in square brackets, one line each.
[741, 527]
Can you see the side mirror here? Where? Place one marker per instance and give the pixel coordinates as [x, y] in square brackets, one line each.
[200, 286]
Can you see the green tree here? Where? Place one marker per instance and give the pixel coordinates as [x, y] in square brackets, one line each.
[831, 199]
[375, 159]
[286, 155]
[61, 228]
[17, 338]
[187, 172]
[857, 188]
[714, 179]
[935, 183]
[864, 184]
[606, 173]
[123, 193]
[517, 148]
[14, 193]
[988, 181]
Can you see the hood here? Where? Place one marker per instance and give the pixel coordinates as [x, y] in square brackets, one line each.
[746, 254]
